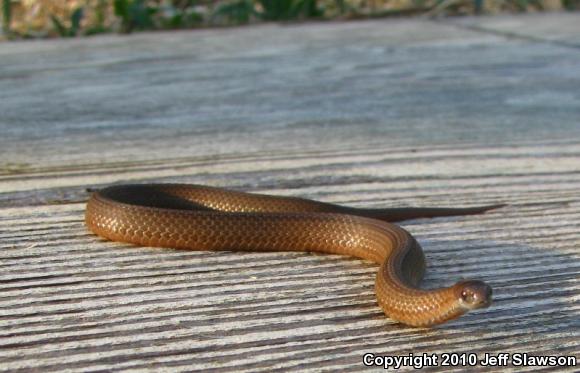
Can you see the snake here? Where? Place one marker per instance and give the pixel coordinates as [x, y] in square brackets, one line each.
[197, 217]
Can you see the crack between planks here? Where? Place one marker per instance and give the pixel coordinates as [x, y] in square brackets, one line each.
[509, 35]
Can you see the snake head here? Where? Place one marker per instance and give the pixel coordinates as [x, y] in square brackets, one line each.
[473, 294]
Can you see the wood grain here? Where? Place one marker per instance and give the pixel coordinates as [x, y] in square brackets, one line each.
[70, 302]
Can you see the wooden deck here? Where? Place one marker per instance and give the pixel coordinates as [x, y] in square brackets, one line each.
[384, 113]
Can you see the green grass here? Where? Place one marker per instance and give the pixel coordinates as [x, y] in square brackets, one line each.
[75, 23]
[125, 16]
[6, 15]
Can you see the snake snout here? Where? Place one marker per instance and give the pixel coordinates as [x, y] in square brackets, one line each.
[474, 294]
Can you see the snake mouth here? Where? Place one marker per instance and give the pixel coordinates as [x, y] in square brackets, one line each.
[474, 294]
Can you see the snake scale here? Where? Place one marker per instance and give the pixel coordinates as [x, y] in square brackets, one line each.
[207, 218]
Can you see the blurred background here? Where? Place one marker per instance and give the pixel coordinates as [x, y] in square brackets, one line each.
[69, 18]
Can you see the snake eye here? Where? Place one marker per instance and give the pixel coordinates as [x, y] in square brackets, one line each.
[468, 296]
[475, 294]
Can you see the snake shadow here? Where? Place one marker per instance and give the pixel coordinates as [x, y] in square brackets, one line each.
[532, 286]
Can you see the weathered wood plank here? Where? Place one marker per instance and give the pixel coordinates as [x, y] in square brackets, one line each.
[68, 298]
[72, 302]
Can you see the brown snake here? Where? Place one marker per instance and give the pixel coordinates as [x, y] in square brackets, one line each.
[206, 218]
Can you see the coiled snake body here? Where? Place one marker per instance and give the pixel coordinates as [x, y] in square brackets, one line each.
[206, 218]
